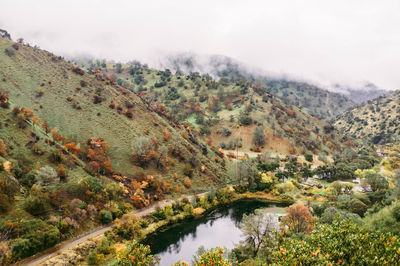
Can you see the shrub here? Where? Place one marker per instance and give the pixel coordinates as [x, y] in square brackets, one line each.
[9, 52]
[341, 242]
[36, 203]
[128, 226]
[129, 113]
[135, 254]
[259, 136]
[187, 183]
[34, 236]
[3, 148]
[105, 216]
[143, 150]
[213, 257]
[227, 132]
[45, 176]
[298, 218]
[285, 187]
[308, 157]
[188, 170]
[92, 258]
[245, 120]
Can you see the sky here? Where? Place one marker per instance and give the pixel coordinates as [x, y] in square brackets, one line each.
[342, 41]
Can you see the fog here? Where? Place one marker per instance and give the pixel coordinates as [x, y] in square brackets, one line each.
[326, 42]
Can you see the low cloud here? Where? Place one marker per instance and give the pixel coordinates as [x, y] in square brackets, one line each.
[326, 42]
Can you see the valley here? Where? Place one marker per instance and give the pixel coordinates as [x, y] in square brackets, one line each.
[119, 163]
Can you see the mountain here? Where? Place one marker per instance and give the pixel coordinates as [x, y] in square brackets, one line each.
[377, 121]
[226, 114]
[367, 92]
[311, 98]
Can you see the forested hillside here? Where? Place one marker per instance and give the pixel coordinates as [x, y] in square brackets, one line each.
[242, 115]
[375, 122]
[314, 100]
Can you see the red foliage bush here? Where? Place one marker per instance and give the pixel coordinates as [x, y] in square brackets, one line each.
[78, 71]
[129, 113]
[92, 167]
[4, 101]
[166, 134]
[97, 99]
[290, 113]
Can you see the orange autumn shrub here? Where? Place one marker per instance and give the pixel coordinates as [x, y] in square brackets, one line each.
[187, 183]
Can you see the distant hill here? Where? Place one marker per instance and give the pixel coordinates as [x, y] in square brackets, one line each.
[313, 99]
[377, 121]
[363, 94]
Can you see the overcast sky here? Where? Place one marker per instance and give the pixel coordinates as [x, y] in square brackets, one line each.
[347, 41]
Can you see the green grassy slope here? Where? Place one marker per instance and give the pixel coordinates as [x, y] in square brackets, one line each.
[70, 107]
[377, 121]
[50, 186]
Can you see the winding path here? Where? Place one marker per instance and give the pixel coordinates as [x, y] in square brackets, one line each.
[49, 253]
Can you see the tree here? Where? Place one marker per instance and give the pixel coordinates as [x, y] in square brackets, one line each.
[135, 254]
[213, 257]
[45, 176]
[143, 150]
[259, 230]
[244, 119]
[376, 181]
[299, 219]
[106, 216]
[118, 67]
[308, 157]
[385, 220]
[331, 213]
[128, 226]
[342, 242]
[357, 206]
[243, 172]
[259, 136]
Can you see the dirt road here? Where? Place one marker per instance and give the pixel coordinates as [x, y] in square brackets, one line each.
[48, 254]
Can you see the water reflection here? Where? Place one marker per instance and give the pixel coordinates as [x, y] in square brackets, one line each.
[219, 228]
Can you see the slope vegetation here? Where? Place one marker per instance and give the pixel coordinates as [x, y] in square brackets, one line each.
[314, 100]
[226, 114]
[77, 150]
[377, 121]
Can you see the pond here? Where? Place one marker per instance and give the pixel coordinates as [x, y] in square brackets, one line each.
[218, 228]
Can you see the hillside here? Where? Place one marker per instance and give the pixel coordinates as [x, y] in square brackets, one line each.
[77, 150]
[226, 114]
[377, 121]
[314, 100]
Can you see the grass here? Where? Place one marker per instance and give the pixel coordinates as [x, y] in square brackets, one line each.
[31, 70]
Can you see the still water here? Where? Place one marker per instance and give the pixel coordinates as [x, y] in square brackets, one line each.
[219, 228]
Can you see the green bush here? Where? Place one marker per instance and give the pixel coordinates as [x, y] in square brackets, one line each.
[105, 216]
[341, 242]
[188, 170]
[33, 236]
[308, 157]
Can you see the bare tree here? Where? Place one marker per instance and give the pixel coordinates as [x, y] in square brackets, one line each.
[260, 230]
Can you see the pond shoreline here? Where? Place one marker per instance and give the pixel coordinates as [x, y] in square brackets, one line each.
[216, 226]
[180, 219]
